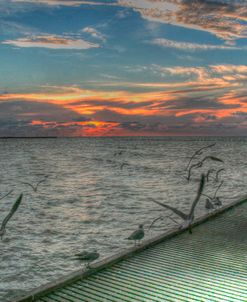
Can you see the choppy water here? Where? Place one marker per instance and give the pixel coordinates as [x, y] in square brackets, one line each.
[90, 200]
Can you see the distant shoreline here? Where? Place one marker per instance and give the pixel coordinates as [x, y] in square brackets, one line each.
[27, 137]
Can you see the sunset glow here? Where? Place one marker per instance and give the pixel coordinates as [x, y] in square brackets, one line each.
[123, 68]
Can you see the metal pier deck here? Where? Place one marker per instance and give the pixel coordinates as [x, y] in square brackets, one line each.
[209, 265]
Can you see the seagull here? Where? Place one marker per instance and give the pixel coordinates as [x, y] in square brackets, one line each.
[35, 187]
[198, 152]
[137, 235]
[87, 256]
[188, 218]
[215, 200]
[200, 163]
[11, 213]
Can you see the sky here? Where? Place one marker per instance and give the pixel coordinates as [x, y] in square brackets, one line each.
[123, 67]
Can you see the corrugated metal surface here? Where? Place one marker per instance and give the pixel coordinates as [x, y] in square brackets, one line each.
[209, 265]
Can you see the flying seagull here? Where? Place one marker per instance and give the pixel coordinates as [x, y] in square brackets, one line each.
[87, 256]
[11, 213]
[35, 187]
[137, 235]
[198, 152]
[188, 218]
[200, 163]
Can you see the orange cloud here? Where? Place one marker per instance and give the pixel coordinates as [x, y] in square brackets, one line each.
[51, 41]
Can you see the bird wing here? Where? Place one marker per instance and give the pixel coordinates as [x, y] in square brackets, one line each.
[213, 158]
[12, 211]
[134, 234]
[176, 211]
[207, 196]
[28, 184]
[2, 197]
[198, 195]
[198, 152]
[217, 173]
[38, 183]
[153, 222]
[218, 188]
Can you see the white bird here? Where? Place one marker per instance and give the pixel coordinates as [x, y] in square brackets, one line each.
[35, 187]
[137, 235]
[87, 256]
[188, 218]
[11, 213]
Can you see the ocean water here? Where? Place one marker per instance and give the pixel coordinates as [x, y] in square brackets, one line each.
[97, 192]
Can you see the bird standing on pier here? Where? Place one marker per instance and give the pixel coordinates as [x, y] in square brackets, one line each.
[88, 257]
[11, 213]
[137, 235]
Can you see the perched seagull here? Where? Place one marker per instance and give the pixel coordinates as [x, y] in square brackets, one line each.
[188, 218]
[137, 235]
[87, 256]
[35, 187]
[11, 213]
[209, 205]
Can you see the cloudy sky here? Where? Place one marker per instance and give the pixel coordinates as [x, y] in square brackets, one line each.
[123, 67]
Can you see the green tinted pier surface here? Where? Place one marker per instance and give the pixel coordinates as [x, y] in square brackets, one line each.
[209, 265]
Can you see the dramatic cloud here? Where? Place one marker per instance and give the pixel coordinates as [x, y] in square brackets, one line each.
[208, 104]
[225, 19]
[190, 46]
[52, 42]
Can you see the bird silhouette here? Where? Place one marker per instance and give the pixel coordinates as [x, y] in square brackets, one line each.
[200, 164]
[188, 218]
[217, 174]
[198, 152]
[35, 187]
[215, 200]
[11, 213]
[137, 235]
[87, 256]
[2, 197]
